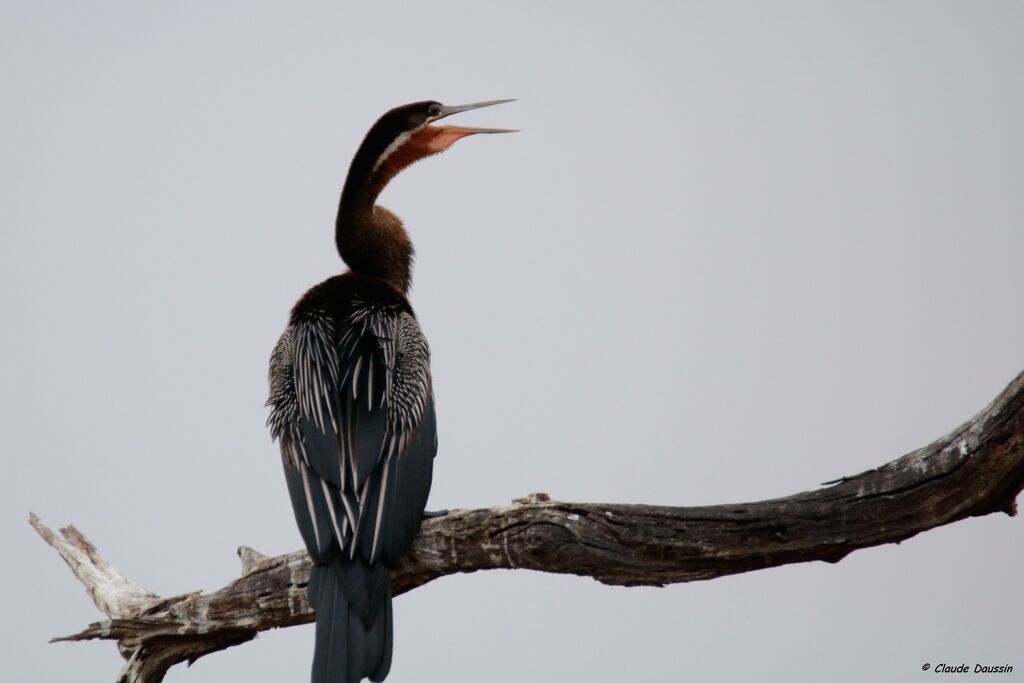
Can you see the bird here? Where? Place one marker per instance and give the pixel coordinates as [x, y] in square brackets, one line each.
[352, 405]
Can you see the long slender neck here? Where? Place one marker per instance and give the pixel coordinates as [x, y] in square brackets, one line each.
[371, 239]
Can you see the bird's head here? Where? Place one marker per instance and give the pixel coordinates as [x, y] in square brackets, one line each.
[407, 134]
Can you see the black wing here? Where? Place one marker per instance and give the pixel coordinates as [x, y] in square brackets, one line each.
[353, 410]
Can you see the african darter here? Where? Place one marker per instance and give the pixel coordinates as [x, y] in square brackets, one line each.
[352, 405]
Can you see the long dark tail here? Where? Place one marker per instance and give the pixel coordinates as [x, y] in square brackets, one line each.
[351, 643]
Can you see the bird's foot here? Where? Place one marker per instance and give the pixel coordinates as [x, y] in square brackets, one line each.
[427, 514]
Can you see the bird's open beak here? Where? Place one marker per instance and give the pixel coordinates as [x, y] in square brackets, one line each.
[461, 131]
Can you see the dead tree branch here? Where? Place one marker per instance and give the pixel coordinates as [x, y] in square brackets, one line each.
[974, 470]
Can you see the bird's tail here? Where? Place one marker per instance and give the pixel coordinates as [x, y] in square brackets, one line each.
[351, 643]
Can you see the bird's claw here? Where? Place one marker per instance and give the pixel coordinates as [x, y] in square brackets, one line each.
[428, 514]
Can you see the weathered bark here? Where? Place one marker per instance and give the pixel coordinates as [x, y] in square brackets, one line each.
[974, 470]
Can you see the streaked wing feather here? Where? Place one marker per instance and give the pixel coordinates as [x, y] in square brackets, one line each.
[411, 485]
[355, 418]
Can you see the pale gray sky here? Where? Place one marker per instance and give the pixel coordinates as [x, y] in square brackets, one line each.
[738, 250]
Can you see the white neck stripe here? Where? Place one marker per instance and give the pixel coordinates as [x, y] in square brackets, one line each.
[390, 149]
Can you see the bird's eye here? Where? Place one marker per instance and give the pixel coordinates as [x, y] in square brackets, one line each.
[434, 110]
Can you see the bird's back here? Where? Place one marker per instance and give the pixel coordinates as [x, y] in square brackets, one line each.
[352, 408]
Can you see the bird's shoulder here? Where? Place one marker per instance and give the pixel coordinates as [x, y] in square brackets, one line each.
[349, 333]
[337, 298]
